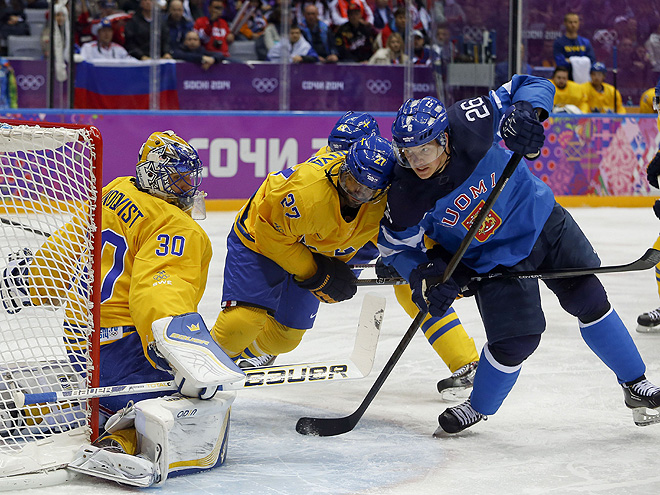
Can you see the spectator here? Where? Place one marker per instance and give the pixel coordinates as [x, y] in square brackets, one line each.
[454, 14]
[214, 30]
[339, 10]
[393, 54]
[397, 26]
[138, 34]
[8, 87]
[600, 95]
[646, 101]
[254, 25]
[12, 19]
[569, 95]
[323, 9]
[421, 51]
[177, 24]
[192, 51]
[546, 57]
[383, 15]
[271, 35]
[60, 41]
[300, 51]
[103, 48]
[318, 34]
[572, 45]
[354, 39]
[652, 46]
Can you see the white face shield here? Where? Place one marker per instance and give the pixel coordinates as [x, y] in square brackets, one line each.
[656, 103]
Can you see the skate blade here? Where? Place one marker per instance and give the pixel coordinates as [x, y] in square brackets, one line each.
[644, 416]
[644, 329]
[455, 394]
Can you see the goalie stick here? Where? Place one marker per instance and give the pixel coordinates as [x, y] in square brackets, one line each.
[357, 366]
[325, 427]
[648, 260]
[14, 223]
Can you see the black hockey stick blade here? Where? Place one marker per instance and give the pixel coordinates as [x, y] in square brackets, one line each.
[328, 427]
[650, 258]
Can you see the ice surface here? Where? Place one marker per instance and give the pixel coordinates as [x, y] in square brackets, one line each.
[563, 429]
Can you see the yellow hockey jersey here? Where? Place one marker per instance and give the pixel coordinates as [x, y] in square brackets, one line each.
[296, 212]
[603, 102]
[646, 101]
[154, 260]
[572, 94]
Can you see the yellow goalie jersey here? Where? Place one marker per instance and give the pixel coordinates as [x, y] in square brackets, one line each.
[296, 212]
[154, 261]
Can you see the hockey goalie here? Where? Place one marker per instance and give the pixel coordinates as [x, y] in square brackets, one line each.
[154, 267]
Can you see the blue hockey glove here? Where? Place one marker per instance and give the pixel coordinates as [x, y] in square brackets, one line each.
[14, 286]
[656, 208]
[521, 130]
[438, 297]
[462, 274]
[333, 281]
[385, 271]
[653, 170]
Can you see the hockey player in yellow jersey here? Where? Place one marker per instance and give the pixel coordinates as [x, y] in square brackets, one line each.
[601, 96]
[569, 95]
[154, 266]
[290, 244]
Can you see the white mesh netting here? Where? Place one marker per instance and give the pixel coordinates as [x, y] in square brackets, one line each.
[48, 194]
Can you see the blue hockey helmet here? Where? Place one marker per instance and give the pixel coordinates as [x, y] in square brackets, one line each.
[368, 169]
[419, 122]
[169, 168]
[351, 127]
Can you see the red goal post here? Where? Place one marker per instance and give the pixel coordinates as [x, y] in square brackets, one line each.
[50, 240]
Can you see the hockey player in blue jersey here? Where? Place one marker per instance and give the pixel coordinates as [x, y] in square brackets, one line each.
[450, 160]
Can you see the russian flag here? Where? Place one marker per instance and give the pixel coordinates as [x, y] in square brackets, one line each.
[120, 85]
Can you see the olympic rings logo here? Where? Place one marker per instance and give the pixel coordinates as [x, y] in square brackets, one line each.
[379, 86]
[30, 82]
[265, 85]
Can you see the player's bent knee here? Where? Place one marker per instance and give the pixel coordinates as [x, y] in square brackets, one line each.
[237, 327]
[513, 351]
[582, 297]
[278, 339]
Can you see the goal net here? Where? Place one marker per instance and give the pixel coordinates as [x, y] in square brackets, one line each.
[50, 186]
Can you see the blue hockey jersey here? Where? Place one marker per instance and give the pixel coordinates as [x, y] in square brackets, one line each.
[443, 207]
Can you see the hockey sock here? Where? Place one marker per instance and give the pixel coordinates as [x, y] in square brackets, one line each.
[609, 339]
[492, 383]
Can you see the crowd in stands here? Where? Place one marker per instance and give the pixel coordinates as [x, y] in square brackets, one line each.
[594, 35]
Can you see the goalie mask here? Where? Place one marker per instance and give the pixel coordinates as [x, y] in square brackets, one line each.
[169, 168]
[351, 127]
[367, 172]
[419, 135]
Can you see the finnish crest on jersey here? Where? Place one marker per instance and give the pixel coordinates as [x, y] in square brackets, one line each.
[489, 226]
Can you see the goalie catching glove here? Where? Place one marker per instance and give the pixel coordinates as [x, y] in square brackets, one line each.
[15, 286]
[333, 281]
[183, 345]
[521, 130]
[428, 293]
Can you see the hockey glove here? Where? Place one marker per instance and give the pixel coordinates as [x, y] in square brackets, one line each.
[521, 130]
[428, 293]
[333, 281]
[385, 271]
[15, 286]
[183, 345]
[462, 274]
[653, 170]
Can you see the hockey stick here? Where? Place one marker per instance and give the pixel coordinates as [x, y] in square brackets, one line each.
[648, 260]
[326, 427]
[357, 366]
[6, 221]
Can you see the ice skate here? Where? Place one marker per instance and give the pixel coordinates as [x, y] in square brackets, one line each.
[458, 418]
[649, 322]
[112, 463]
[644, 399]
[459, 385]
[265, 360]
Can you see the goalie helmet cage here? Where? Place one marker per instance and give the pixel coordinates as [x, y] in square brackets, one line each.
[50, 192]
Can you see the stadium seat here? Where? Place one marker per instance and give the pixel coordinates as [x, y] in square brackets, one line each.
[35, 15]
[243, 50]
[24, 46]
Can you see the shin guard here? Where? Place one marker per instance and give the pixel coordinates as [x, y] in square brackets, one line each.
[492, 383]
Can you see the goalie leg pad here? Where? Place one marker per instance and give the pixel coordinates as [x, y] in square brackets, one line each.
[186, 345]
[114, 465]
[183, 435]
